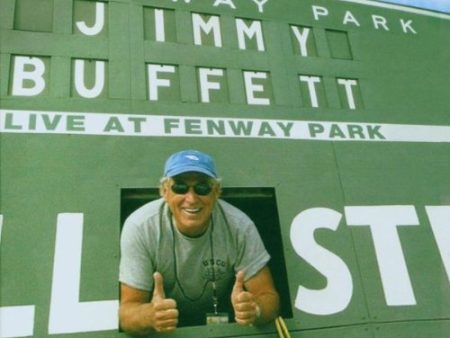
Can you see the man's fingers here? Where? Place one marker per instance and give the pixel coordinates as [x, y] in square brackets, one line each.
[166, 326]
[244, 297]
[165, 316]
[245, 306]
[245, 315]
[243, 302]
[158, 288]
[245, 318]
[170, 315]
[165, 304]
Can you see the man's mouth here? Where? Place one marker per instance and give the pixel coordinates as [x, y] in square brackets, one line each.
[192, 211]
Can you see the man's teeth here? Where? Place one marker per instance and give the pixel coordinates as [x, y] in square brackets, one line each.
[192, 211]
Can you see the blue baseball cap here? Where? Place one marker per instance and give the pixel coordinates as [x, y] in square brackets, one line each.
[190, 161]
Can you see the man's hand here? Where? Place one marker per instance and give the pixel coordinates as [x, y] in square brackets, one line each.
[142, 313]
[246, 310]
[165, 313]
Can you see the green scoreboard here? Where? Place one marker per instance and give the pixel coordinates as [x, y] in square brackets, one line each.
[329, 122]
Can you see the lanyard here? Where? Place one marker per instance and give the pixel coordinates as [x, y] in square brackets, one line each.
[215, 298]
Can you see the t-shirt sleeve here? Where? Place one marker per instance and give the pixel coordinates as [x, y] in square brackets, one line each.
[136, 265]
[252, 255]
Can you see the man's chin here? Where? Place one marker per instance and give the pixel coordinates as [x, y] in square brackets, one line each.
[192, 228]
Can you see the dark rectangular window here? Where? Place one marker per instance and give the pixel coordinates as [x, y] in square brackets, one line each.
[259, 204]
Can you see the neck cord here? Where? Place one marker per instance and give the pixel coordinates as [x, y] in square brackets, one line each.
[177, 280]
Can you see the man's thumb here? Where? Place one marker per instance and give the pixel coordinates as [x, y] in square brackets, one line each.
[239, 283]
[158, 287]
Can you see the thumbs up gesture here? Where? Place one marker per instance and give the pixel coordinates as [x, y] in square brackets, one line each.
[165, 313]
[246, 309]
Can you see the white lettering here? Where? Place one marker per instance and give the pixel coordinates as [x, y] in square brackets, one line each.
[205, 84]
[348, 84]
[67, 313]
[337, 294]
[260, 4]
[160, 32]
[251, 88]
[80, 80]
[302, 38]
[319, 11]
[406, 26]
[99, 21]
[311, 81]
[213, 24]
[23, 121]
[439, 217]
[250, 32]
[154, 82]
[349, 18]
[21, 75]
[16, 321]
[378, 21]
[383, 222]
[225, 2]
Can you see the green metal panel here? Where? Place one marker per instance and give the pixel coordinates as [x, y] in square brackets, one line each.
[355, 117]
[416, 329]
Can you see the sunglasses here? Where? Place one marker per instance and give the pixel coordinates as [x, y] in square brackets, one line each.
[201, 189]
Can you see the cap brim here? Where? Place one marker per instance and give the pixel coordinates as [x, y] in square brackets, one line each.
[186, 169]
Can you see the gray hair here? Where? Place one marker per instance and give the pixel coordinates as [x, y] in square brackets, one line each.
[215, 180]
[165, 180]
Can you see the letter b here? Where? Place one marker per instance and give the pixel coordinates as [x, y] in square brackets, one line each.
[28, 70]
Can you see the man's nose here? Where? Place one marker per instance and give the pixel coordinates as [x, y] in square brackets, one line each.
[191, 195]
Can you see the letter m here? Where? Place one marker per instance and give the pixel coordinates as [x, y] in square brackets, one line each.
[211, 25]
[250, 31]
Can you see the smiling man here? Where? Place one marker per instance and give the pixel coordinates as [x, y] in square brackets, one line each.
[190, 258]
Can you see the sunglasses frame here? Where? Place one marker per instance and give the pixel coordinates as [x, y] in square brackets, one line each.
[201, 188]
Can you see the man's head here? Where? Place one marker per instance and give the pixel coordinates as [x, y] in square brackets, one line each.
[191, 188]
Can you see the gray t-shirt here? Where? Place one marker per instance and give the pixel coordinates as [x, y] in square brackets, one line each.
[150, 242]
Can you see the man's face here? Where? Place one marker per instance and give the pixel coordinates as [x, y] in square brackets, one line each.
[190, 210]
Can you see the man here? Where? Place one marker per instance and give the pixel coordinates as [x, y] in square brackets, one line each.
[189, 257]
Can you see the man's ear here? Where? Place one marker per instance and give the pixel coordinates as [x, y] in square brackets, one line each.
[218, 190]
[163, 188]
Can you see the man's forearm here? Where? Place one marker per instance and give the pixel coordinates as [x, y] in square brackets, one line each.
[269, 307]
[134, 318]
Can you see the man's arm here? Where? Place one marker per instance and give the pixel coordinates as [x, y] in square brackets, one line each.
[255, 301]
[138, 316]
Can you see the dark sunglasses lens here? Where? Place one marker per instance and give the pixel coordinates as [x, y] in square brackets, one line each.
[202, 189]
[180, 188]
